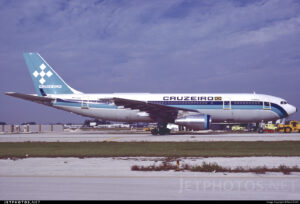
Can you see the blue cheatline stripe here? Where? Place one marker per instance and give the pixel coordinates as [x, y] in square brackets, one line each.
[279, 111]
[217, 105]
[205, 102]
[235, 105]
[79, 104]
[198, 106]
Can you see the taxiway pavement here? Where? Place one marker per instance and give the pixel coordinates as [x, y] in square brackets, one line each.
[113, 179]
[101, 136]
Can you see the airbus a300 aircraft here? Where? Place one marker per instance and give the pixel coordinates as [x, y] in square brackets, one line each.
[194, 111]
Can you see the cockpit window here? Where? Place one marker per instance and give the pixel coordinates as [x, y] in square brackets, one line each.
[283, 102]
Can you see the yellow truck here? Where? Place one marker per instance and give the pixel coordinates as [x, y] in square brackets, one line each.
[238, 128]
[270, 128]
[293, 126]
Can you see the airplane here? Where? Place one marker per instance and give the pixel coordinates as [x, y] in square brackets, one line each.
[191, 110]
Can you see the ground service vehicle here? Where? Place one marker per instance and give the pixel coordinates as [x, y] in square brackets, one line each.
[238, 128]
[270, 128]
[293, 126]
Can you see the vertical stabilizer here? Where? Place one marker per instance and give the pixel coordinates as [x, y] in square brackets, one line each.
[45, 79]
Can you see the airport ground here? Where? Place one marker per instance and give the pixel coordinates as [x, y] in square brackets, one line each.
[132, 136]
[96, 178]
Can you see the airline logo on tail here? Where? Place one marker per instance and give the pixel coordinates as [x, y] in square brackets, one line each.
[42, 74]
[46, 81]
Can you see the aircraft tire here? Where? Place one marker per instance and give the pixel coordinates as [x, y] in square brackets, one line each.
[154, 131]
[287, 130]
[260, 130]
[164, 131]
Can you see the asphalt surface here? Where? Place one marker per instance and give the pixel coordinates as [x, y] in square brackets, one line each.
[113, 179]
[155, 188]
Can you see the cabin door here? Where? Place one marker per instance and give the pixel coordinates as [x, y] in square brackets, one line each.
[85, 104]
[266, 105]
[227, 104]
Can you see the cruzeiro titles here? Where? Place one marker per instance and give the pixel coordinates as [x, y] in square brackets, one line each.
[192, 98]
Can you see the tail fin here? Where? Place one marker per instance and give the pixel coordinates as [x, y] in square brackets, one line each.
[45, 79]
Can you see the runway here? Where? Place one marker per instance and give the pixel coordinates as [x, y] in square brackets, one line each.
[101, 136]
[112, 179]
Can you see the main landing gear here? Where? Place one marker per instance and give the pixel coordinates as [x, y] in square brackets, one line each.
[161, 130]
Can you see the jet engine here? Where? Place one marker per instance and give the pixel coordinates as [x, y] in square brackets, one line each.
[195, 122]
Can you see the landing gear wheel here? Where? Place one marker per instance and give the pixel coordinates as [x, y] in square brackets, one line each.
[160, 131]
[164, 131]
[260, 130]
[287, 130]
[154, 131]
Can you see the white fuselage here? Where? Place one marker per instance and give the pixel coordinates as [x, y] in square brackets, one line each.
[221, 107]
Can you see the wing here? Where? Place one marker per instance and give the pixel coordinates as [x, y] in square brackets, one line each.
[157, 112]
[29, 97]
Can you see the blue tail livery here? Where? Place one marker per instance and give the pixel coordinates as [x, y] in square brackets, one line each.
[45, 79]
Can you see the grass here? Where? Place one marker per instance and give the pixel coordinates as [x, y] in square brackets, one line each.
[148, 149]
[214, 167]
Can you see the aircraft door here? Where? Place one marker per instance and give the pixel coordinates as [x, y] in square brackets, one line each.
[266, 105]
[85, 104]
[227, 104]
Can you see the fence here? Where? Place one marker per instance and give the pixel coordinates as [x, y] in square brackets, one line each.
[31, 128]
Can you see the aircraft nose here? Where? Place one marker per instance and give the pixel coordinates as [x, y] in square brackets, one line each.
[292, 110]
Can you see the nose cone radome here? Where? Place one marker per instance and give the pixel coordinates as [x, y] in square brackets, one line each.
[291, 110]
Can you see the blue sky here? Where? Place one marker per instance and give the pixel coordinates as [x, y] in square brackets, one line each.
[190, 46]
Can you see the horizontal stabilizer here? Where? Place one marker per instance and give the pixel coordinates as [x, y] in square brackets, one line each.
[31, 97]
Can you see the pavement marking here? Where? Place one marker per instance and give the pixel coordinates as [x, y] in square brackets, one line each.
[111, 139]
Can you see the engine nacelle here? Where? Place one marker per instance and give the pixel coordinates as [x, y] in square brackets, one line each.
[195, 122]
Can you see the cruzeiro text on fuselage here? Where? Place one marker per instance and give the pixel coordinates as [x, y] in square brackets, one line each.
[192, 98]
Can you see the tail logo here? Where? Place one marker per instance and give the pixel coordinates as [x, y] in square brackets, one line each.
[42, 74]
